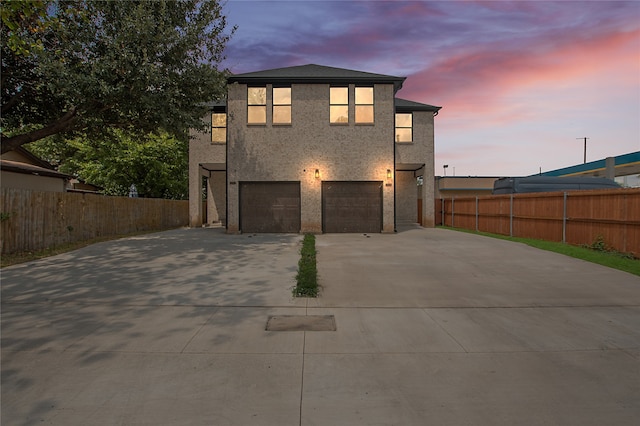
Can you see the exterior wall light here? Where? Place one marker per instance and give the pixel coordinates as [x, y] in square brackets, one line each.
[317, 174]
[388, 173]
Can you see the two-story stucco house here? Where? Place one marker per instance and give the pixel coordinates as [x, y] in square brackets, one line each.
[313, 149]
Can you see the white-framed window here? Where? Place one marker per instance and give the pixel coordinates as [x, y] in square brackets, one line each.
[404, 127]
[339, 105]
[364, 105]
[257, 105]
[282, 105]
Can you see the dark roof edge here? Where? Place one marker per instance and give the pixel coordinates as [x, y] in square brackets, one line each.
[267, 77]
[16, 167]
[403, 105]
[396, 81]
[314, 74]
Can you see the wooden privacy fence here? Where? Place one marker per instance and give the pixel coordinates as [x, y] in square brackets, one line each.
[575, 217]
[34, 220]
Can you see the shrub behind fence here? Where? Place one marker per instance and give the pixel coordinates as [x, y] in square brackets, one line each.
[33, 220]
[574, 217]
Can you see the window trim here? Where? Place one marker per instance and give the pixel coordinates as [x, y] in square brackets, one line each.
[372, 105]
[339, 123]
[219, 127]
[396, 127]
[274, 105]
[249, 105]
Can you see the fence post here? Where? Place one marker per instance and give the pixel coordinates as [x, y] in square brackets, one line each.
[476, 214]
[511, 216]
[626, 221]
[564, 218]
[442, 211]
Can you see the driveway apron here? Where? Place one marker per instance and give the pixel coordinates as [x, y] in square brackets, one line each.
[432, 326]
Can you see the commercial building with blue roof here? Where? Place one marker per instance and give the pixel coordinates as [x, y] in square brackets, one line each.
[624, 169]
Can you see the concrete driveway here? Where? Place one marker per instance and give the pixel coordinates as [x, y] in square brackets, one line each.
[434, 327]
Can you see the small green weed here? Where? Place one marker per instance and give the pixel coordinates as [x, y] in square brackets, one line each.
[598, 244]
[307, 277]
[601, 246]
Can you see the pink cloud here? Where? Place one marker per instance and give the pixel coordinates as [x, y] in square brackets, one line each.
[488, 79]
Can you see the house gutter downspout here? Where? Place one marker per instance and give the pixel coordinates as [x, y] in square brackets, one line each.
[395, 177]
[395, 218]
[226, 172]
[396, 88]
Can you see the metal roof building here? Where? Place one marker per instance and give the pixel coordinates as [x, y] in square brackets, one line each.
[624, 169]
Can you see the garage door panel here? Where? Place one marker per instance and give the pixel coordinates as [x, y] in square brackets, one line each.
[270, 207]
[352, 207]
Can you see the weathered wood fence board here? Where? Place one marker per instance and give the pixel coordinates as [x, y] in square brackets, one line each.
[574, 217]
[33, 220]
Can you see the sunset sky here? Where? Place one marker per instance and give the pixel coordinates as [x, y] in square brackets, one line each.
[519, 81]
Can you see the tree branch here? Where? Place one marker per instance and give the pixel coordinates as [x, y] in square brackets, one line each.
[60, 125]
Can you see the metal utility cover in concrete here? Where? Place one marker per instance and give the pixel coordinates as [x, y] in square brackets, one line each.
[301, 323]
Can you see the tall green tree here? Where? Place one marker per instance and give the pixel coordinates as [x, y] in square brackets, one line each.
[23, 19]
[157, 164]
[88, 67]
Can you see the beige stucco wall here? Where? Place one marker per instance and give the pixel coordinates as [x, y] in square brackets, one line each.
[34, 179]
[202, 151]
[293, 152]
[16, 156]
[31, 182]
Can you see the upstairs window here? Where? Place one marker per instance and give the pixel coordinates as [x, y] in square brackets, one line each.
[404, 127]
[218, 127]
[364, 105]
[339, 105]
[257, 105]
[282, 105]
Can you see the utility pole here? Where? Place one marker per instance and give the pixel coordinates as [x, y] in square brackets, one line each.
[585, 148]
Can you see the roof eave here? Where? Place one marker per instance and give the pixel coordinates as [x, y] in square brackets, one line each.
[404, 105]
[24, 168]
[428, 108]
[396, 81]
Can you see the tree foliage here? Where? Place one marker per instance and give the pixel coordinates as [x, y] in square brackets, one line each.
[22, 20]
[156, 164]
[88, 67]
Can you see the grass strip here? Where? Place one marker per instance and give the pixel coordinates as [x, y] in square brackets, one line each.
[612, 259]
[307, 277]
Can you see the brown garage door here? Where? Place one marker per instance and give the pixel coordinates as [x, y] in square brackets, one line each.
[352, 207]
[270, 207]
